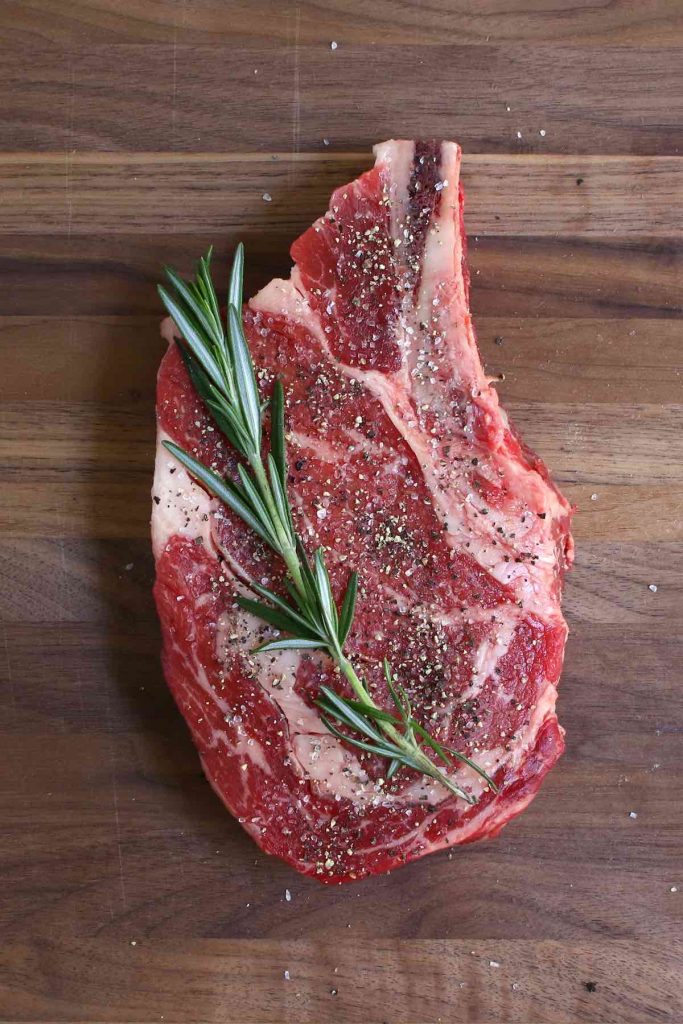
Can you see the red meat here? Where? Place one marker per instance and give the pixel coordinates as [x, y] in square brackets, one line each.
[404, 467]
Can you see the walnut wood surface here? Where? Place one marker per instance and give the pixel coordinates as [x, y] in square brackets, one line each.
[135, 133]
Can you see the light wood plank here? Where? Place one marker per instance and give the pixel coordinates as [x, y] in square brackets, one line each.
[52, 275]
[401, 981]
[63, 650]
[610, 444]
[73, 468]
[582, 360]
[82, 577]
[545, 359]
[92, 504]
[394, 22]
[541, 195]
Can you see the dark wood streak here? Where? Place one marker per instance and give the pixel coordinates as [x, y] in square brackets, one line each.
[135, 134]
[512, 277]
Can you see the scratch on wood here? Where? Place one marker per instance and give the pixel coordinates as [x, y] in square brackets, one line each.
[68, 152]
[117, 825]
[8, 663]
[174, 81]
[296, 102]
[115, 802]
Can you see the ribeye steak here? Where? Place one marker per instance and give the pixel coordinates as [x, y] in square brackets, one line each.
[403, 465]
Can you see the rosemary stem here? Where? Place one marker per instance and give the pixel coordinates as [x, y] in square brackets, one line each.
[291, 560]
[288, 550]
[427, 766]
[349, 672]
[364, 697]
[256, 463]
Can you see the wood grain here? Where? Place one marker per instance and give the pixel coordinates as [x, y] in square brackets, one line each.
[370, 984]
[389, 21]
[561, 359]
[513, 277]
[100, 194]
[135, 134]
[188, 96]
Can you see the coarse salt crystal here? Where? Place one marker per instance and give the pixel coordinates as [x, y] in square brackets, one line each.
[653, 588]
[267, 198]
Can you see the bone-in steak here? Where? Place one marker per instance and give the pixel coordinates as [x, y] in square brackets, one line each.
[403, 466]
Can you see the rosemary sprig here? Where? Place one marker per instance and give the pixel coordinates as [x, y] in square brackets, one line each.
[220, 367]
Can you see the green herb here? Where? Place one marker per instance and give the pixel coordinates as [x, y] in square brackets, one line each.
[220, 366]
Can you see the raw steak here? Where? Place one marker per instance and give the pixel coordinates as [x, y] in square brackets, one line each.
[404, 466]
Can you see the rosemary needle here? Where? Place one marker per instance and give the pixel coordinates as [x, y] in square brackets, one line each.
[219, 363]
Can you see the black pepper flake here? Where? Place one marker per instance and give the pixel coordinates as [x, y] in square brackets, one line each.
[299, 465]
[498, 340]
[541, 515]
[579, 181]
[591, 986]
[156, 500]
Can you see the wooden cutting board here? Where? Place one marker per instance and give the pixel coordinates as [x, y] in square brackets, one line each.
[134, 134]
